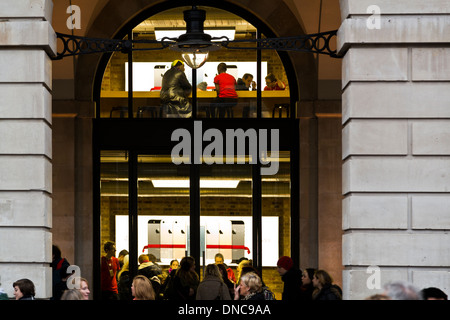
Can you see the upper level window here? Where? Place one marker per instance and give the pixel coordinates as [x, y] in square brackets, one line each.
[209, 93]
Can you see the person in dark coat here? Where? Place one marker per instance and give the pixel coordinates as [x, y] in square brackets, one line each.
[307, 285]
[246, 82]
[292, 278]
[59, 268]
[184, 283]
[175, 90]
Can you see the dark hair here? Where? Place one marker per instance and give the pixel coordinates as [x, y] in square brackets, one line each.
[56, 251]
[151, 257]
[108, 245]
[223, 272]
[184, 271]
[271, 77]
[222, 67]
[247, 75]
[26, 286]
[433, 292]
[310, 272]
[186, 263]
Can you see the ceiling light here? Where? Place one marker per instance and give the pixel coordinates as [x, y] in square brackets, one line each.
[195, 59]
[195, 44]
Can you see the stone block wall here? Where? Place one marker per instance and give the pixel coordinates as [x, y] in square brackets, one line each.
[26, 146]
[395, 117]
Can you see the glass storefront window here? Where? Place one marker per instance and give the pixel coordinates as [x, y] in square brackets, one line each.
[163, 209]
[113, 205]
[226, 214]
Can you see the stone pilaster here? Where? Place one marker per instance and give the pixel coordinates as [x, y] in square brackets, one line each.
[396, 143]
[26, 41]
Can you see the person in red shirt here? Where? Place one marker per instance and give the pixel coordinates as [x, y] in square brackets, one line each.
[226, 92]
[272, 83]
[109, 268]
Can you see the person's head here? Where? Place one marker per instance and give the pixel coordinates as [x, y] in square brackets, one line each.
[72, 294]
[247, 78]
[178, 64]
[213, 270]
[218, 258]
[56, 252]
[122, 254]
[80, 284]
[433, 293]
[243, 263]
[307, 275]
[250, 282]
[223, 271]
[187, 264]
[174, 264]
[284, 264]
[23, 288]
[402, 290]
[221, 67]
[125, 267]
[110, 248]
[142, 289]
[143, 258]
[321, 278]
[84, 288]
[151, 257]
[271, 80]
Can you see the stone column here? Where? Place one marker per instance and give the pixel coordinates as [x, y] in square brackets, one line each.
[396, 144]
[26, 41]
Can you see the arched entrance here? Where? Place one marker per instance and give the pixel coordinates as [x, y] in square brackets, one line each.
[107, 139]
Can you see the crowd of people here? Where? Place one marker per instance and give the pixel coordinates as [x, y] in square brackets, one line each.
[180, 282]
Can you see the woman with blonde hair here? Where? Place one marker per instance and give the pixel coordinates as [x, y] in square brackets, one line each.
[123, 280]
[72, 294]
[250, 287]
[142, 288]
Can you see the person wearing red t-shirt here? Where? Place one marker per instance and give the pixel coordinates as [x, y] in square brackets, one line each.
[226, 91]
[109, 268]
[272, 83]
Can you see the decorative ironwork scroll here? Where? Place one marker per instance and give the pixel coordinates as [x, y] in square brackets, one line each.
[76, 45]
[314, 43]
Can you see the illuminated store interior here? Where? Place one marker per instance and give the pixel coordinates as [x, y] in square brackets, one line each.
[147, 203]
